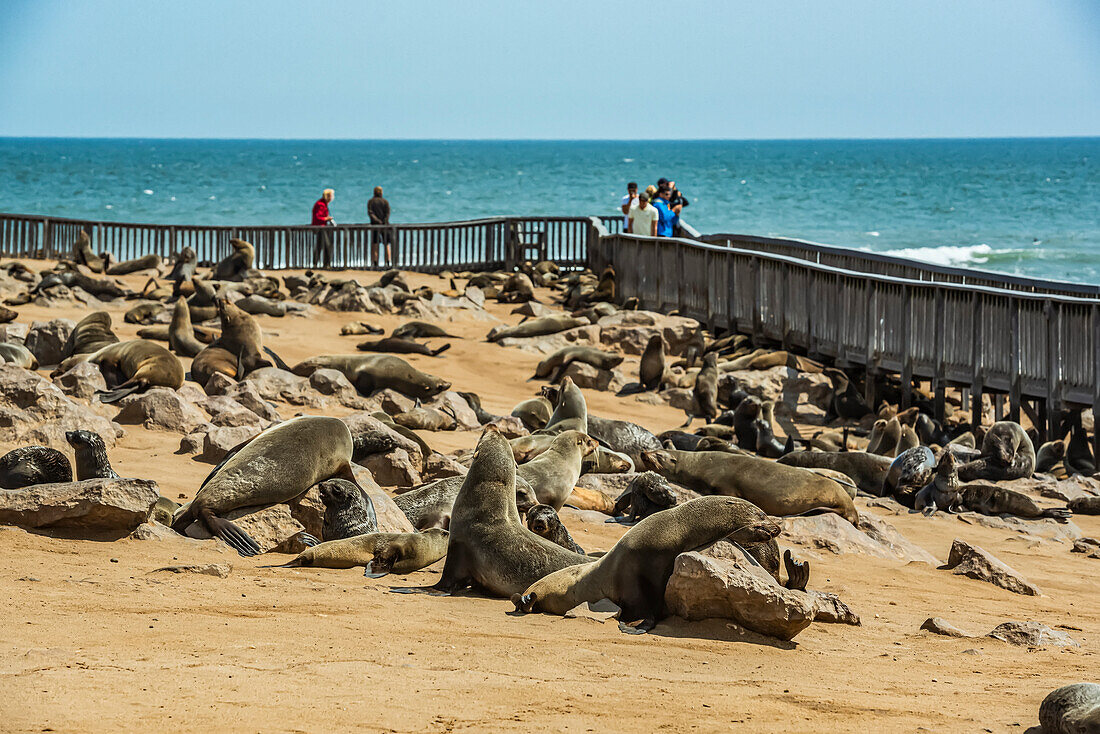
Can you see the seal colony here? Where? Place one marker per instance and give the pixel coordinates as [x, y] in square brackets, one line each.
[505, 523]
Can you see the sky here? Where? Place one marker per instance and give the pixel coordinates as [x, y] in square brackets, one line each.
[558, 70]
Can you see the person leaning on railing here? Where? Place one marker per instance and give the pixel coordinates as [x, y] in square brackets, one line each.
[378, 209]
[322, 218]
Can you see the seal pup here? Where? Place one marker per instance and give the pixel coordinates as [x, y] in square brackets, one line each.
[1007, 453]
[279, 465]
[349, 510]
[622, 436]
[534, 413]
[18, 355]
[943, 491]
[648, 493]
[1049, 455]
[543, 520]
[777, 489]
[555, 471]
[380, 553]
[370, 372]
[181, 334]
[634, 573]
[30, 465]
[991, 499]
[489, 546]
[868, 471]
[399, 345]
[651, 369]
[91, 455]
[1072, 709]
[909, 473]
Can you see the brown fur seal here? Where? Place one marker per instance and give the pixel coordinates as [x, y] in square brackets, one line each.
[399, 345]
[132, 366]
[777, 489]
[553, 366]
[909, 473]
[885, 437]
[868, 471]
[381, 553]
[278, 465]
[349, 510]
[370, 372]
[651, 369]
[91, 456]
[83, 255]
[145, 262]
[990, 499]
[942, 493]
[1072, 709]
[622, 436]
[421, 330]
[1085, 505]
[183, 270]
[430, 505]
[555, 471]
[634, 573]
[181, 334]
[18, 355]
[489, 546]
[704, 397]
[1049, 455]
[236, 264]
[210, 360]
[423, 418]
[30, 465]
[92, 333]
[543, 520]
[570, 414]
[533, 413]
[537, 327]
[1007, 453]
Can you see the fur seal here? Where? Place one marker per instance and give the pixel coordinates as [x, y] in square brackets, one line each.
[1049, 455]
[555, 365]
[555, 471]
[399, 345]
[30, 465]
[145, 262]
[543, 520]
[651, 369]
[534, 413]
[181, 334]
[132, 366]
[430, 505]
[909, 473]
[83, 255]
[18, 355]
[1072, 709]
[92, 333]
[942, 493]
[1085, 505]
[421, 330]
[777, 489]
[489, 546]
[704, 396]
[634, 573]
[885, 436]
[370, 372]
[349, 510]
[606, 461]
[234, 265]
[183, 270]
[648, 493]
[868, 471]
[537, 327]
[425, 418]
[278, 465]
[991, 499]
[622, 436]
[91, 455]
[1078, 457]
[381, 553]
[570, 410]
[846, 401]
[1007, 453]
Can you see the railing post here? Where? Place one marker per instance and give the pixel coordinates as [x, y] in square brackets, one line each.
[870, 364]
[757, 288]
[1054, 347]
[906, 350]
[940, 389]
[1094, 315]
[1014, 391]
[977, 374]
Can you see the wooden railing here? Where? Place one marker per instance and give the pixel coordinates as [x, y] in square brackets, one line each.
[1034, 346]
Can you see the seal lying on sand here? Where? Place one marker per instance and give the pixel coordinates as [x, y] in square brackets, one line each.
[489, 546]
[30, 465]
[537, 327]
[381, 553]
[554, 366]
[777, 489]
[132, 366]
[421, 330]
[634, 573]
[278, 465]
[398, 345]
[1072, 709]
[991, 499]
[370, 372]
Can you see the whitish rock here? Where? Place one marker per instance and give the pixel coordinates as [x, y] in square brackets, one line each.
[678, 397]
[457, 406]
[248, 395]
[82, 381]
[509, 426]
[395, 468]
[1031, 634]
[273, 528]
[155, 531]
[33, 410]
[830, 609]
[441, 466]
[833, 533]
[393, 402]
[1043, 527]
[702, 587]
[191, 392]
[219, 384]
[888, 537]
[228, 412]
[580, 336]
[972, 561]
[589, 377]
[351, 297]
[46, 339]
[938, 626]
[112, 507]
[1089, 546]
[220, 570]
[792, 391]
[1069, 489]
[630, 331]
[272, 383]
[219, 440]
[14, 333]
[333, 383]
[160, 408]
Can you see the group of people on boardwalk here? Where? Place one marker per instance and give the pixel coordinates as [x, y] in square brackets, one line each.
[378, 209]
[655, 212]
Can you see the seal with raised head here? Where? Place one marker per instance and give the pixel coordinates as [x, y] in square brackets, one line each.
[181, 334]
[30, 465]
[651, 369]
[543, 520]
[846, 401]
[381, 553]
[91, 455]
[489, 547]
[555, 471]
[370, 372]
[533, 412]
[1049, 455]
[885, 437]
[777, 489]
[942, 493]
[909, 473]
[868, 471]
[234, 265]
[1072, 709]
[634, 573]
[349, 510]
[704, 396]
[278, 465]
[91, 333]
[183, 270]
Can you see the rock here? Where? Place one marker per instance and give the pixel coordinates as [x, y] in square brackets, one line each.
[630, 331]
[607, 486]
[219, 440]
[14, 333]
[390, 517]
[332, 382]
[589, 377]
[221, 570]
[1043, 527]
[82, 381]
[160, 408]
[192, 443]
[441, 466]
[1071, 488]
[46, 339]
[351, 297]
[580, 336]
[678, 397]
[585, 498]
[1091, 546]
[155, 531]
[247, 394]
[830, 609]
[796, 394]
[702, 587]
[833, 533]
[457, 406]
[191, 392]
[112, 507]
[509, 426]
[219, 384]
[972, 561]
[273, 528]
[939, 626]
[272, 383]
[33, 410]
[394, 468]
[393, 402]
[1031, 634]
[309, 510]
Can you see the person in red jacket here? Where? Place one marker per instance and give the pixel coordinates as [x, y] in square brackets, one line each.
[322, 218]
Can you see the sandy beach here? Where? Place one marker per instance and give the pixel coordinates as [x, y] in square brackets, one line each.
[95, 642]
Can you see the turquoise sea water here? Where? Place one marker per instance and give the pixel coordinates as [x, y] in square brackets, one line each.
[1024, 206]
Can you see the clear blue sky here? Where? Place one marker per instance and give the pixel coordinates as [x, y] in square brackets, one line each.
[562, 69]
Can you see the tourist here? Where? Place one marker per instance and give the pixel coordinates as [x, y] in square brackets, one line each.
[643, 218]
[379, 211]
[629, 202]
[322, 218]
[666, 217]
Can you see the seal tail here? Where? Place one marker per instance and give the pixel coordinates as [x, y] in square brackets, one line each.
[113, 396]
[437, 352]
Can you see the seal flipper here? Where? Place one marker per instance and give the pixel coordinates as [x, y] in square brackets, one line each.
[437, 352]
[278, 360]
[1061, 514]
[236, 538]
[798, 572]
[113, 396]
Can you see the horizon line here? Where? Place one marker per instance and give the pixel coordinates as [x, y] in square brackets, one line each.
[551, 140]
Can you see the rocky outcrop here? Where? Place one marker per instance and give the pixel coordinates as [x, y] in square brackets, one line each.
[160, 409]
[630, 331]
[46, 339]
[94, 507]
[33, 410]
[1031, 634]
[970, 560]
[82, 381]
[874, 537]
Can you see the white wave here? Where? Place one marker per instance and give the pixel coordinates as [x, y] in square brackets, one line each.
[148, 192]
[946, 254]
[872, 233]
[628, 160]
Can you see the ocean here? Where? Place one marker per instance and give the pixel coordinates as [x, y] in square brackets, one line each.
[1024, 206]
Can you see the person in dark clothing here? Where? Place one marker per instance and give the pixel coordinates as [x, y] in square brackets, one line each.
[322, 218]
[379, 211]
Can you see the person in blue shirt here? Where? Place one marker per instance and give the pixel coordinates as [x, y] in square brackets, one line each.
[666, 218]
